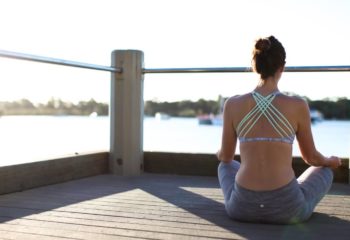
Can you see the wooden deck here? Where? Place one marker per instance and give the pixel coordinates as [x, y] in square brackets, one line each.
[152, 206]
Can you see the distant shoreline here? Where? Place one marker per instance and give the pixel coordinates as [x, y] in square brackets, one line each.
[330, 109]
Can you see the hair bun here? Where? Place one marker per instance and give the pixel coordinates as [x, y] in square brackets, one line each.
[268, 56]
[263, 44]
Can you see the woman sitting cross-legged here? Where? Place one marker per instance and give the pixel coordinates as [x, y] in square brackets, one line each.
[263, 187]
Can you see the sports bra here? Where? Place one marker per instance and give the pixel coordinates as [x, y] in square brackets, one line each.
[277, 120]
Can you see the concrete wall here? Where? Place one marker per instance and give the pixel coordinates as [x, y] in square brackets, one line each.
[30, 175]
[206, 165]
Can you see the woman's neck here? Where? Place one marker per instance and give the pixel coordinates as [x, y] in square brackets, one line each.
[268, 85]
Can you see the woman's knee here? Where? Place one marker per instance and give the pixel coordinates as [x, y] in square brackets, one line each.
[327, 175]
[330, 173]
[311, 172]
[231, 166]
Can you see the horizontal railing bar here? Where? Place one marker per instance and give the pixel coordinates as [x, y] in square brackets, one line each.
[35, 58]
[343, 68]
[197, 70]
[247, 69]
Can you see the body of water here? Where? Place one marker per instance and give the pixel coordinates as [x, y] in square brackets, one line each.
[185, 135]
[35, 138]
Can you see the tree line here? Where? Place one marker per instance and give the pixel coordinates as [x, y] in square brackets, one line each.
[183, 108]
[53, 107]
[338, 109]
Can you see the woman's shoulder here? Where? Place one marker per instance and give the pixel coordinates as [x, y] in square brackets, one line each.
[238, 103]
[295, 104]
[236, 99]
[293, 99]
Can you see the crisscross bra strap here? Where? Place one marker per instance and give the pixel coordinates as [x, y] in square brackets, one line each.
[278, 121]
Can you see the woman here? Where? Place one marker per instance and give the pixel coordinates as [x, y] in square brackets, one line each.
[263, 187]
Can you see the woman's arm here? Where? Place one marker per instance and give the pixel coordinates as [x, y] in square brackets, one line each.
[306, 143]
[229, 137]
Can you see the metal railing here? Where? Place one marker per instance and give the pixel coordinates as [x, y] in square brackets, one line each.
[247, 69]
[35, 58]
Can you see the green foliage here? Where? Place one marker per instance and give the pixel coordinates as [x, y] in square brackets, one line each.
[339, 109]
[183, 108]
[53, 107]
[187, 113]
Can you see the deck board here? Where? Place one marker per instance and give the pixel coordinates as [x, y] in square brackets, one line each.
[152, 206]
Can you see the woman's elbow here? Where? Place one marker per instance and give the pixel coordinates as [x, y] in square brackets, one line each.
[313, 159]
[224, 157]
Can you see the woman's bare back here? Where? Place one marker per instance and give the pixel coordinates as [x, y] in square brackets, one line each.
[265, 165]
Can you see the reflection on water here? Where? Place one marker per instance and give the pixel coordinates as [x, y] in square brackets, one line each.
[35, 138]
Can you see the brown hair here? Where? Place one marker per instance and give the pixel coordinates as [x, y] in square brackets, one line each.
[268, 56]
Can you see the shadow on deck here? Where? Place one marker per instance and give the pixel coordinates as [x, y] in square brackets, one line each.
[152, 206]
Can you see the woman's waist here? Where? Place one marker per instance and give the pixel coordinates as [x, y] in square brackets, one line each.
[266, 149]
[264, 178]
[279, 156]
[286, 187]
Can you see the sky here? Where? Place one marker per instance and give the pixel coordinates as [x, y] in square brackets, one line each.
[181, 33]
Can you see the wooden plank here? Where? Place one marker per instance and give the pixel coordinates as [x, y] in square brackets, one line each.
[115, 211]
[7, 235]
[58, 233]
[120, 229]
[133, 196]
[125, 207]
[160, 216]
[132, 223]
[154, 207]
[179, 233]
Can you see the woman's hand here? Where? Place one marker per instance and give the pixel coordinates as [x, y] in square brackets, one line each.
[333, 162]
[218, 155]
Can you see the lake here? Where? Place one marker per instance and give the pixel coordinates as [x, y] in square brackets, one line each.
[34, 138]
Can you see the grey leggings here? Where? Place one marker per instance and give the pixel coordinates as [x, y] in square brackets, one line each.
[291, 203]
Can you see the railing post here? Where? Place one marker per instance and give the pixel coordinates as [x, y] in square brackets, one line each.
[126, 113]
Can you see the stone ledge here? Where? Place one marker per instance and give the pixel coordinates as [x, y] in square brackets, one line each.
[36, 174]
